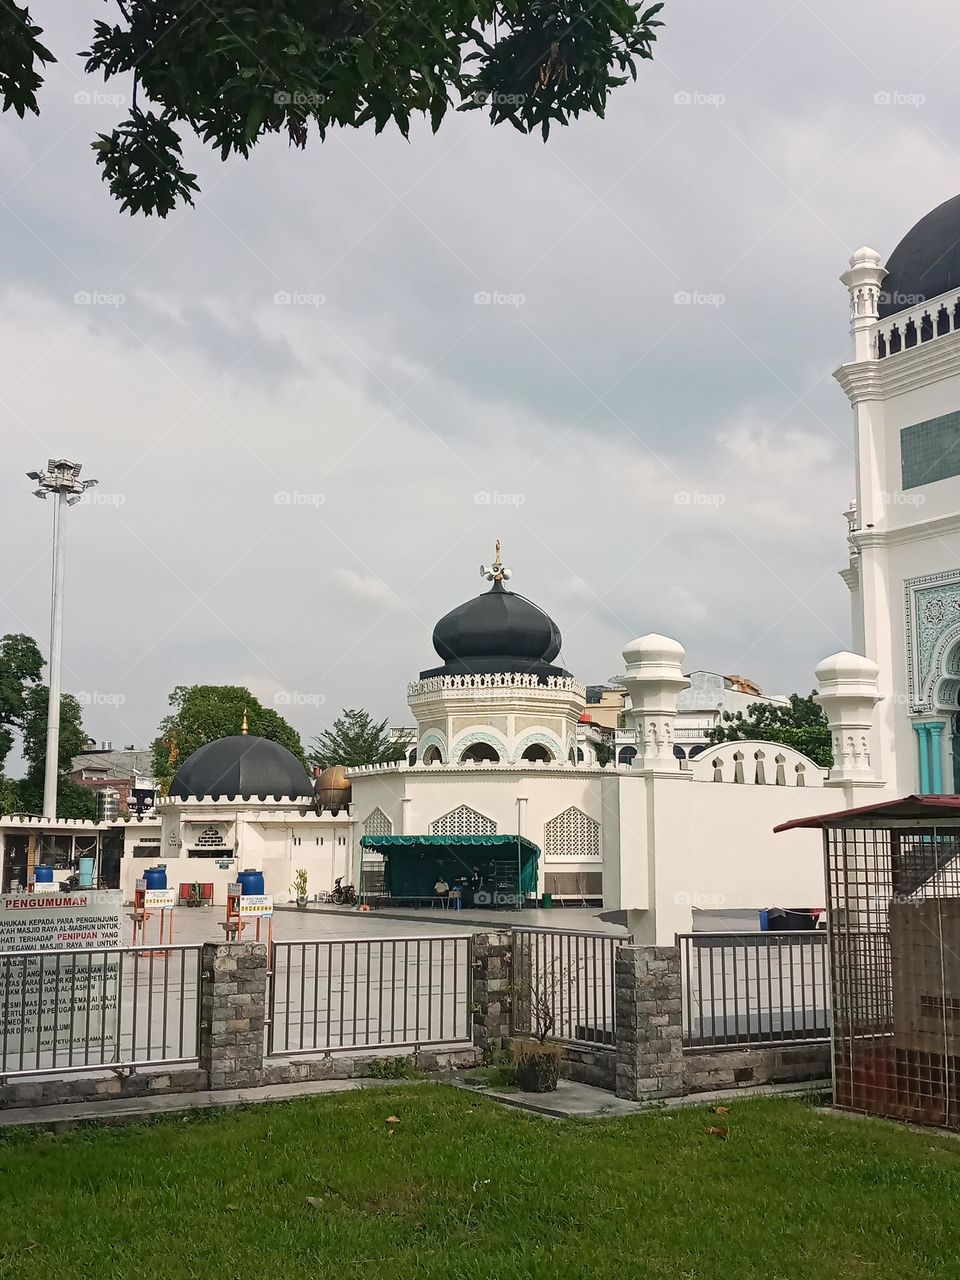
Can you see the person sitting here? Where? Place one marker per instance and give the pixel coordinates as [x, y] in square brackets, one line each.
[442, 891]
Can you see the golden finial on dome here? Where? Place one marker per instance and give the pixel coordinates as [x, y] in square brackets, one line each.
[495, 572]
[244, 727]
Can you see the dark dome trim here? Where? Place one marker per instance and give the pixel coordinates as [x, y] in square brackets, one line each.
[926, 262]
[241, 767]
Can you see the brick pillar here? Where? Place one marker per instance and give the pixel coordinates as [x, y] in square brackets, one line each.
[233, 994]
[649, 1046]
[491, 991]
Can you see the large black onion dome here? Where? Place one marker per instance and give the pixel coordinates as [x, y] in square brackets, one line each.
[241, 767]
[498, 631]
[926, 262]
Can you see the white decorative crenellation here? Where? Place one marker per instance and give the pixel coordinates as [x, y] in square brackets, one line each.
[495, 680]
[758, 764]
[916, 326]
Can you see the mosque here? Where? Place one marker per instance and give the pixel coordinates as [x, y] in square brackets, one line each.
[495, 802]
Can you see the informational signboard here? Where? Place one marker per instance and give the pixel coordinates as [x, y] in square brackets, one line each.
[159, 899]
[256, 904]
[52, 1001]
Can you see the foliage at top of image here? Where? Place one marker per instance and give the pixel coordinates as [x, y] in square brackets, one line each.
[233, 73]
[801, 725]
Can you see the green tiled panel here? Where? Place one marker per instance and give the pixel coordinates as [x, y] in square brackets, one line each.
[930, 451]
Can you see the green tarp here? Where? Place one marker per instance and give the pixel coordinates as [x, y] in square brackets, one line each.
[414, 864]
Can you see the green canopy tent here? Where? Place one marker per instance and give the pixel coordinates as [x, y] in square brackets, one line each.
[412, 865]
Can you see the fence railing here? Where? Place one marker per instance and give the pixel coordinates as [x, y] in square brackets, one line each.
[564, 984]
[754, 988]
[367, 993]
[65, 1011]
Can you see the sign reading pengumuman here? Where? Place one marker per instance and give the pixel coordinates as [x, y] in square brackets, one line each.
[60, 1001]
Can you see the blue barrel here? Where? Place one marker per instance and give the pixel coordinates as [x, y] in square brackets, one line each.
[251, 882]
[43, 875]
[155, 878]
[85, 870]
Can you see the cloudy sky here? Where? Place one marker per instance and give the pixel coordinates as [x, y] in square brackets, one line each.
[308, 431]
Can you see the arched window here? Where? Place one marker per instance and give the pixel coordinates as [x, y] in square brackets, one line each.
[432, 755]
[627, 755]
[480, 752]
[537, 753]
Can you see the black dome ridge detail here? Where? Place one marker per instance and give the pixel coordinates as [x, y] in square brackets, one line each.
[926, 262]
[241, 767]
[496, 631]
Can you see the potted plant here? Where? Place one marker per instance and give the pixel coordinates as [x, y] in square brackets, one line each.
[299, 887]
[536, 1059]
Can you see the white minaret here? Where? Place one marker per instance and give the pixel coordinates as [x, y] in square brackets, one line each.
[653, 678]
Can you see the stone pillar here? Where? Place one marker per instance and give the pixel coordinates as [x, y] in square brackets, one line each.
[847, 690]
[491, 991]
[863, 280]
[653, 678]
[649, 1045]
[233, 1001]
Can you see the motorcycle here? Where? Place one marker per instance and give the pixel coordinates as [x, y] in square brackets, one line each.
[344, 895]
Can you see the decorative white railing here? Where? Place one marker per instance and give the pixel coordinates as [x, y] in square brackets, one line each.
[935, 318]
[493, 681]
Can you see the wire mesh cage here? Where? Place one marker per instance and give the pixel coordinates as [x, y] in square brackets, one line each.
[894, 924]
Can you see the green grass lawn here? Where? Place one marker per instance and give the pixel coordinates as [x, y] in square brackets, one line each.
[466, 1189]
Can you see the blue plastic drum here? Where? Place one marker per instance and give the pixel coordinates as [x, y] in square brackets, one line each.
[155, 878]
[251, 882]
[43, 875]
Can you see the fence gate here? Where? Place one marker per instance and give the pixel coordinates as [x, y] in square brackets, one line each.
[369, 993]
[563, 985]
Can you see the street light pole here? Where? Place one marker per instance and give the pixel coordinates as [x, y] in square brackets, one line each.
[62, 480]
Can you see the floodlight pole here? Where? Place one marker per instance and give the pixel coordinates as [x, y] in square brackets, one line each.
[61, 479]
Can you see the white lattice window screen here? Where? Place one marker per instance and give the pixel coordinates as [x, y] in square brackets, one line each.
[377, 824]
[571, 834]
[463, 821]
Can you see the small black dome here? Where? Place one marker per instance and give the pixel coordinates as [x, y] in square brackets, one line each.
[926, 262]
[241, 766]
[498, 631]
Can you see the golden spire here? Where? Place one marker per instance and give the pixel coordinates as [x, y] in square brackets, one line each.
[244, 727]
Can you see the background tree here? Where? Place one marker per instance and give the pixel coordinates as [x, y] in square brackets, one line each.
[21, 666]
[233, 73]
[204, 712]
[801, 725]
[26, 796]
[356, 739]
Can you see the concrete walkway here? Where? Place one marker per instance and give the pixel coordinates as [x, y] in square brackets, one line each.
[120, 1110]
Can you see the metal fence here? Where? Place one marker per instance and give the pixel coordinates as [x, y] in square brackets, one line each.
[564, 984]
[366, 993]
[754, 988]
[64, 1011]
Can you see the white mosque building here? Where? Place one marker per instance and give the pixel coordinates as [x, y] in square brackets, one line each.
[496, 782]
